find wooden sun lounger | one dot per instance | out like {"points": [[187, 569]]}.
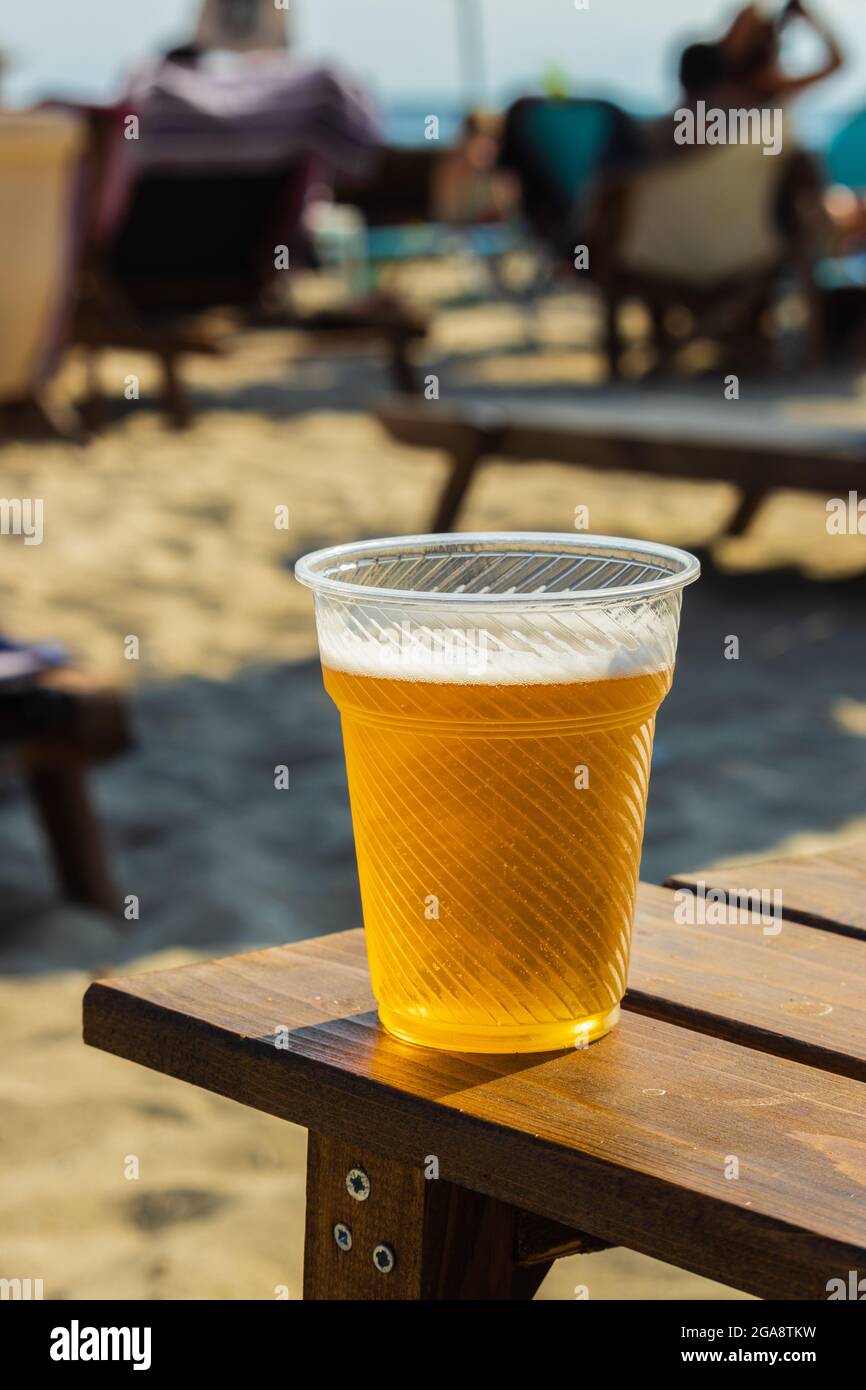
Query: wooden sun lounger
{"points": [[57, 733], [733, 1045], [171, 338], [749, 445], [154, 289]]}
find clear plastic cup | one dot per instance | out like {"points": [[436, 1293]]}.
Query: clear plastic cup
{"points": [[498, 696]]}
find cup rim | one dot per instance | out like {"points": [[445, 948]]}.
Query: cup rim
{"points": [[308, 570]]}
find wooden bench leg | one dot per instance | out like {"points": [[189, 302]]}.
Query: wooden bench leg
{"points": [[74, 833], [178, 406], [410, 1239], [612, 336], [420, 1239], [747, 508], [465, 458], [93, 407], [402, 371]]}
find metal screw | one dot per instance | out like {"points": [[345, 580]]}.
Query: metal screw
{"points": [[358, 1184], [343, 1236], [384, 1259]]}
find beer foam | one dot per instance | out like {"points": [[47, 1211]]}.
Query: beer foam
{"points": [[559, 650]]}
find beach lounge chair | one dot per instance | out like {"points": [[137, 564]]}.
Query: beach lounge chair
{"points": [[559, 149], [39, 154], [56, 729], [717, 1053], [711, 232], [193, 260], [181, 247]]}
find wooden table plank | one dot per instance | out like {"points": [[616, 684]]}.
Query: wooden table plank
{"points": [[799, 993], [821, 890], [628, 1140], [761, 447]]}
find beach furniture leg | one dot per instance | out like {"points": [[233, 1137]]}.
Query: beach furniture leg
{"points": [[377, 1229], [402, 370], [93, 405], [612, 335], [177, 402], [663, 340], [466, 453], [751, 500], [73, 831]]}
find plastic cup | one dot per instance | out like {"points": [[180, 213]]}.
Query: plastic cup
{"points": [[498, 696]]}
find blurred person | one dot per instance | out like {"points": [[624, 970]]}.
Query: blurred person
{"points": [[750, 55], [751, 70], [743, 69], [710, 222], [243, 26], [468, 187]]}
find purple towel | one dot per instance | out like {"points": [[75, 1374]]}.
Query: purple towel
{"points": [[265, 112]]}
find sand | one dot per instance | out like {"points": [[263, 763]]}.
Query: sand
{"points": [[171, 539]]}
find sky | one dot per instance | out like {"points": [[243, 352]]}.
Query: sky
{"points": [[408, 49]]}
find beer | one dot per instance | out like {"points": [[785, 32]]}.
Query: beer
{"points": [[498, 697], [498, 828]]}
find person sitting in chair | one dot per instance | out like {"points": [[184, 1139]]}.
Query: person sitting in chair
{"points": [[743, 72]]}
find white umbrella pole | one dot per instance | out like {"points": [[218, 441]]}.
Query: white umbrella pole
{"points": [[470, 37]]}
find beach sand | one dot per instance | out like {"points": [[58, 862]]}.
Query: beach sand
{"points": [[171, 539]]}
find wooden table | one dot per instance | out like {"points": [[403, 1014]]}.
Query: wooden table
{"points": [[720, 1127]]}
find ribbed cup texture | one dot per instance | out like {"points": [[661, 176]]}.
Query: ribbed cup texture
{"points": [[498, 832]]}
